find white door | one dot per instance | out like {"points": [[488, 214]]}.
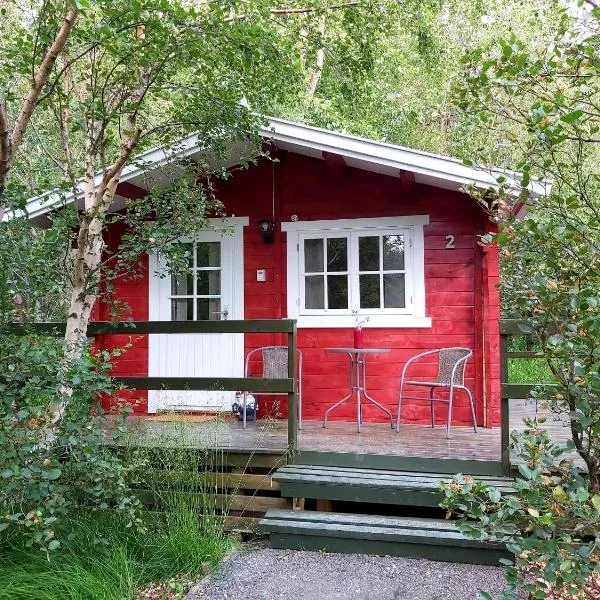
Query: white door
{"points": [[213, 291]]}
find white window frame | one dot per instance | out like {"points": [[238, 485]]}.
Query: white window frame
{"points": [[413, 315]]}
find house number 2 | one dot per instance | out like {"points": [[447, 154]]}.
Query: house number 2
{"points": [[450, 242]]}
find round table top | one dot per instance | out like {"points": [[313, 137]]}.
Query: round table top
{"points": [[357, 350]]}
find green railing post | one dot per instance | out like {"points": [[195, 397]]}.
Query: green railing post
{"points": [[292, 395], [504, 406]]}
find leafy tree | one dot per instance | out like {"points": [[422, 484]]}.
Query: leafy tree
{"points": [[397, 87], [547, 104], [549, 520], [552, 95], [134, 74]]}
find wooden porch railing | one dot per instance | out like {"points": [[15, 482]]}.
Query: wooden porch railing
{"points": [[510, 328], [249, 384]]}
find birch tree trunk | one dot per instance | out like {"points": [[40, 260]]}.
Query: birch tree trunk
{"points": [[90, 243], [315, 76]]}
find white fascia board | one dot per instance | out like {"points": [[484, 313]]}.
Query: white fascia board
{"points": [[396, 157], [152, 159]]}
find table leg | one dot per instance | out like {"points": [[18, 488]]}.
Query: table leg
{"points": [[345, 398], [370, 398], [358, 388]]}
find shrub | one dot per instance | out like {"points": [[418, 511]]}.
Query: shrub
{"points": [[46, 469], [549, 520]]}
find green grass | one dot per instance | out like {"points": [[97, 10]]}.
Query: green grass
{"points": [[529, 370], [101, 559], [105, 561]]}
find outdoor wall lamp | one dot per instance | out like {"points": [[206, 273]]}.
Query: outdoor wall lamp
{"points": [[267, 227]]}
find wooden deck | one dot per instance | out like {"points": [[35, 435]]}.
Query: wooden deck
{"points": [[270, 436]]}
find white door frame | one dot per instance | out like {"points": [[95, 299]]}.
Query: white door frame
{"points": [[232, 227]]}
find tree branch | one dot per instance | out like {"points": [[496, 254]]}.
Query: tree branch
{"points": [[41, 78], [4, 153], [295, 11], [315, 76]]}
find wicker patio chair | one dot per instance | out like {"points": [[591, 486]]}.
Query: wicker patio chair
{"points": [[451, 375], [275, 366]]}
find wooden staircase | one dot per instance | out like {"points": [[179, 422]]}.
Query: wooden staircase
{"points": [[432, 538]]}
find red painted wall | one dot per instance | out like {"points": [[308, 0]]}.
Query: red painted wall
{"points": [[133, 293], [461, 284]]}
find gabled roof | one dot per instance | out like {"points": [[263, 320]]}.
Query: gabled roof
{"points": [[427, 168]]}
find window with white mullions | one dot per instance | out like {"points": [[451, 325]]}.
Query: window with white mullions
{"points": [[196, 295], [381, 271], [341, 269]]}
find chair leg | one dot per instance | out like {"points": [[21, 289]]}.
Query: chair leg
{"points": [[299, 407], [399, 410], [472, 407], [431, 402], [449, 425]]}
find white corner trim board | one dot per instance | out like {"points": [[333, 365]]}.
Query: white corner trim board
{"points": [[411, 315]]}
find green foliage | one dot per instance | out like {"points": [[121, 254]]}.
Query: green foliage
{"points": [[545, 102], [105, 560], [549, 520], [527, 370], [402, 94], [33, 269], [47, 469]]}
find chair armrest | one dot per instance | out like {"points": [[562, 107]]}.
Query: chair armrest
{"points": [[412, 360]]}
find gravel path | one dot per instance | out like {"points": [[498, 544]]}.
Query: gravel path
{"points": [[267, 574]]}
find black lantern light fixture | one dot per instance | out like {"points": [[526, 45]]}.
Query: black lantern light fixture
{"points": [[267, 227]]}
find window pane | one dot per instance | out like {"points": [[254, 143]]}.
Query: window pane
{"points": [[337, 291], [209, 283], [393, 291], [209, 309], [182, 285], [208, 254], [368, 253], [393, 252], [314, 291], [313, 256], [337, 254], [369, 291], [182, 310]]}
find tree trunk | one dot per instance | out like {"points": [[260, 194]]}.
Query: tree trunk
{"points": [[315, 76], [4, 154], [88, 257]]}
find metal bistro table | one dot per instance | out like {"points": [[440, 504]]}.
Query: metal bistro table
{"points": [[358, 381]]}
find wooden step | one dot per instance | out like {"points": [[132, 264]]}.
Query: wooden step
{"points": [[403, 488], [366, 534]]}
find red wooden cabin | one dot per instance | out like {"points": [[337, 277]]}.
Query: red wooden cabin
{"points": [[359, 229]]}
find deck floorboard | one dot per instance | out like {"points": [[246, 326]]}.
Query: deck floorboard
{"points": [[270, 436]]}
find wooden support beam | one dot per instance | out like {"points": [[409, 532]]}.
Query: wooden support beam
{"points": [[336, 163], [131, 191], [407, 181], [324, 505], [298, 503]]}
